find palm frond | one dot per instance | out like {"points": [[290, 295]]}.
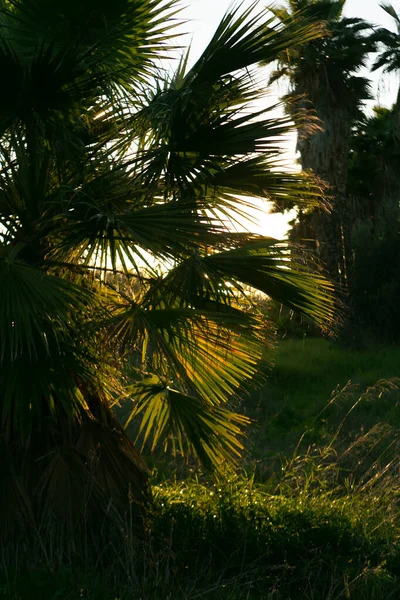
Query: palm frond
{"points": [[169, 416], [245, 38], [390, 10], [37, 310], [335, 56], [262, 178], [389, 57], [95, 232], [108, 166], [199, 145], [50, 391], [209, 350], [273, 267], [265, 266], [121, 39]]}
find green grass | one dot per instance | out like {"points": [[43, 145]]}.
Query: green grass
{"points": [[60, 584], [314, 538], [322, 523], [299, 388]]}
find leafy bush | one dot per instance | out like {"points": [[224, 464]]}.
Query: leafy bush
{"points": [[319, 530], [375, 286]]}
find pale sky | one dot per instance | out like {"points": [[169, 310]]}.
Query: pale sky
{"points": [[204, 16]]}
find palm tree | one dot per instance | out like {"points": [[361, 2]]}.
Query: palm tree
{"points": [[374, 188], [389, 57], [122, 277], [373, 169], [389, 60], [325, 83]]}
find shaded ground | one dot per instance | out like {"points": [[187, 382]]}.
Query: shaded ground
{"points": [[322, 523]]}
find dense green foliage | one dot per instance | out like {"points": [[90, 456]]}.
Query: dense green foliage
{"points": [[323, 523], [312, 532], [357, 156], [374, 190], [120, 185], [126, 290]]}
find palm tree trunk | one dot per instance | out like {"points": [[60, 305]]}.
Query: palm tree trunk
{"points": [[390, 204], [326, 154]]}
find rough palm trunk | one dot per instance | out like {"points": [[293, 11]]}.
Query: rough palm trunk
{"points": [[390, 206], [326, 154], [324, 79]]}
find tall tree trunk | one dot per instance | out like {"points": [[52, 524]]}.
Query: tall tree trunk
{"points": [[390, 203], [326, 154]]}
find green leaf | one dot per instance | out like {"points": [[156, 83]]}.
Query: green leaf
{"points": [[108, 166], [273, 267], [211, 351], [36, 310], [269, 267], [245, 38], [171, 417]]}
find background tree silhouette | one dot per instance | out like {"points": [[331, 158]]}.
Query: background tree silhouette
{"points": [[326, 85]]}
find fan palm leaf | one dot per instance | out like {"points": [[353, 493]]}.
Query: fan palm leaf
{"points": [[119, 189]]}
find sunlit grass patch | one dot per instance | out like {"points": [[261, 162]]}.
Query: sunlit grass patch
{"points": [[311, 533], [304, 376]]}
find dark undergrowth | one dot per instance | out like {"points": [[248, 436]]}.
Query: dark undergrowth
{"points": [[323, 528], [321, 521]]}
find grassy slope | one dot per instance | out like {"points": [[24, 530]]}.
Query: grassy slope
{"points": [[300, 386], [325, 527], [235, 541]]}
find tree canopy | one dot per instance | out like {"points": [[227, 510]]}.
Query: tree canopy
{"points": [[122, 276]]}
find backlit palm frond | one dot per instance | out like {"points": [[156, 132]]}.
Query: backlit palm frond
{"points": [[266, 266], [49, 316], [389, 57], [115, 227], [117, 189], [208, 352], [206, 150], [121, 39], [187, 423], [336, 56], [211, 351], [391, 11], [192, 123], [245, 38], [263, 264], [322, 10], [262, 178], [60, 61]]}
